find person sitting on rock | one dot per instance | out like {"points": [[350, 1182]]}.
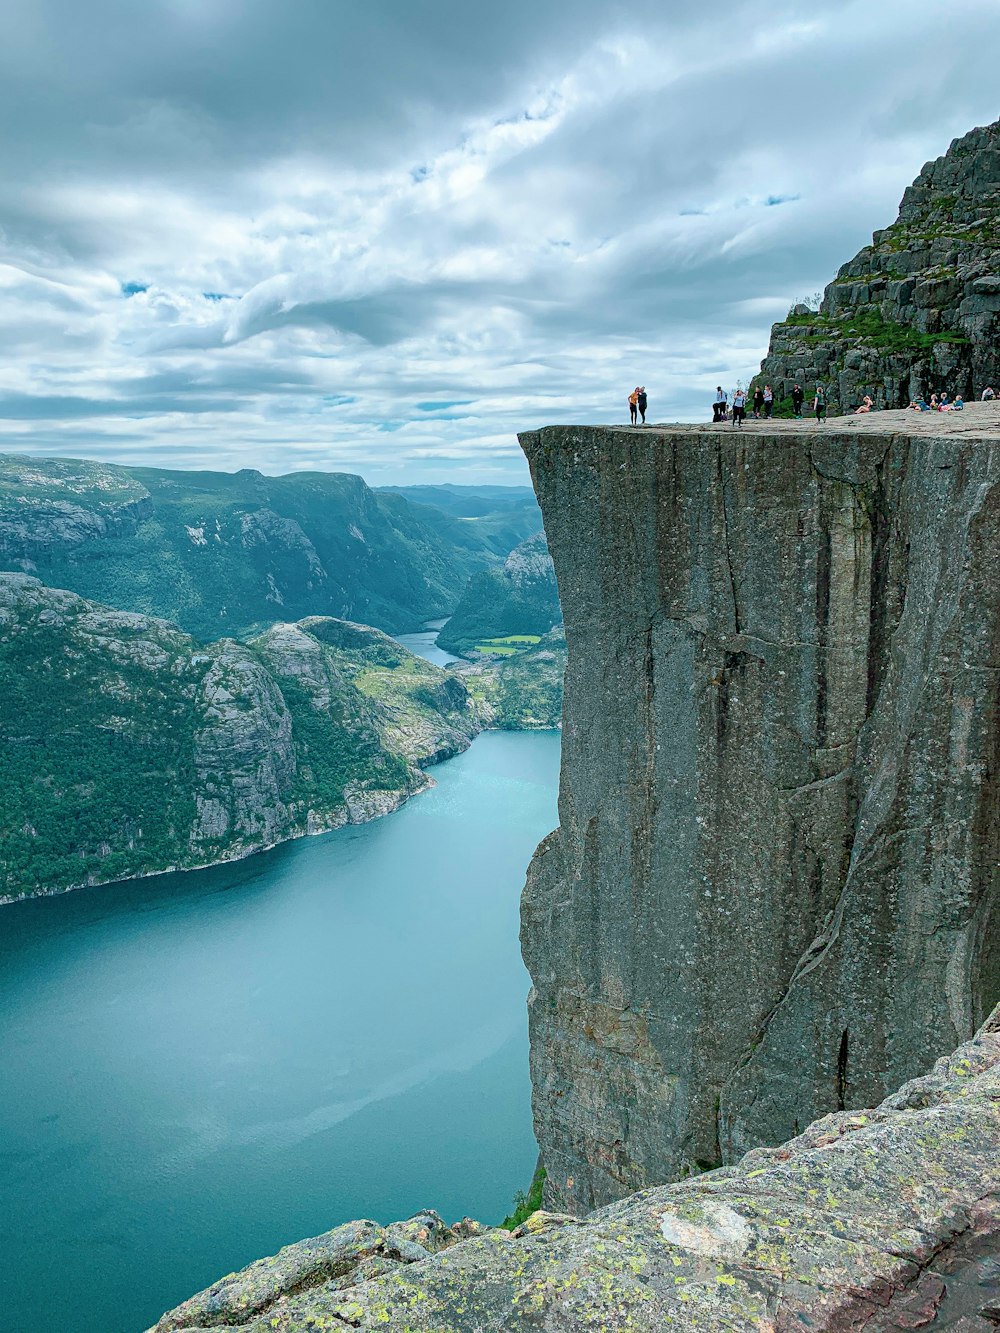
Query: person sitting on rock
{"points": [[798, 397], [640, 402], [633, 400], [944, 403], [935, 403], [987, 395], [866, 405], [919, 405], [959, 404]]}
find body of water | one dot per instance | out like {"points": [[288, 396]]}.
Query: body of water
{"points": [[424, 644], [199, 1068]]}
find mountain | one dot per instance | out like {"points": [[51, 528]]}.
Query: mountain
{"points": [[918, 310], [519, 598], [226, 553], [127, 747], [500, 516]]}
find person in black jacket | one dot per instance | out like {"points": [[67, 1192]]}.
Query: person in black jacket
{"points": [[641, 404], [798, 398]]}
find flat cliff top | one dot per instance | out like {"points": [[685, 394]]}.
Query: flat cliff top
{"points": [[978, 421]]}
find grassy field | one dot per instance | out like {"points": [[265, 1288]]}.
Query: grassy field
{"points": [[508, 644]]}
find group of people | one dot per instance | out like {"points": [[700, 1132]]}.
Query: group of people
{"points": [[637, 403], [763, 403], [939, 403]]}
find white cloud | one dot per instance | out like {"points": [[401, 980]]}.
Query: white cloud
{"points": [[254, 236]]}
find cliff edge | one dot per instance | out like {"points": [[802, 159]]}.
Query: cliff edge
{"points": [[774, 888]]}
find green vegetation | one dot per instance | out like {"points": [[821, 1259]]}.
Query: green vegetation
{"points": [[127, 747], [523, 688], [505, 606], [228, 553], [507, 645], [867, 327], [526, 1204]]}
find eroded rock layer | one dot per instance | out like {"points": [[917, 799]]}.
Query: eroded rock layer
{"points": [[881, 1221], [774, 887]]}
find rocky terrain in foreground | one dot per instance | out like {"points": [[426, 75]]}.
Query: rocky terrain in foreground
{"points": [[879, 1220], [918, 310], [127, 747]]}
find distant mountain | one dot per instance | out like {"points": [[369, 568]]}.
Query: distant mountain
{"points": [[501, 516], [520, 597], [227, 553], [127, 747]]}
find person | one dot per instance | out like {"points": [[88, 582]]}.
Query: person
{"points": [[758, 402], [945, 403], [919, 405], [959, 404], [721, 404], [640, 402], [739, 407], [935, 404], [633, 400], [988, 395], [798, 397], [768, 400], [819, 402], [866, 405]]}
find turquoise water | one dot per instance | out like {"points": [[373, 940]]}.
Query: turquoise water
{"points": [[424, 643], [200, 1068]]}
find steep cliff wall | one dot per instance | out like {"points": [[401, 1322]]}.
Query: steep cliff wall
{"points": [[775, 885], [918, 310]]}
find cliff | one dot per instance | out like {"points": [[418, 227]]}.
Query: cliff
{"points": [[882, 1221], [918, 310], [127, 747], [775, 884]]}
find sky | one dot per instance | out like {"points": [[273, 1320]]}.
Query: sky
{"points": [[381, 236]]}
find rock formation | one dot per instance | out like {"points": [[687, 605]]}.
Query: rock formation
{"points": [[126, 747], [775, 883], [884, 1220], [918, 310]]}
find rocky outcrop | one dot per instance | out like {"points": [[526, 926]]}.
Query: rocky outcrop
{"points": [[884, 1220], [775, 882], [127, 748], [918, 310]]}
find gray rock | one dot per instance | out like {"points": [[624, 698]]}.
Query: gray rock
{"points": [[933, 272], [774, 886]]}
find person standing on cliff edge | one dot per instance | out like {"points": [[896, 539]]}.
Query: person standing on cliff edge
{"points": [[633, 400], [739, 407], [819, 402], [641, 402], [797, 399]]}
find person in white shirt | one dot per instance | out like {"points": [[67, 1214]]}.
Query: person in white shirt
{"points": [[988, 396], [721, 404], [739, 407]]}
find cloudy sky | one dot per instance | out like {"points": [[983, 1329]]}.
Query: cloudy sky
{"points": [[383, 235]]}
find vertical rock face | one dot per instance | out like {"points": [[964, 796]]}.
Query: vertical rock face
{"points": [[774, 889], [918, 310]]}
